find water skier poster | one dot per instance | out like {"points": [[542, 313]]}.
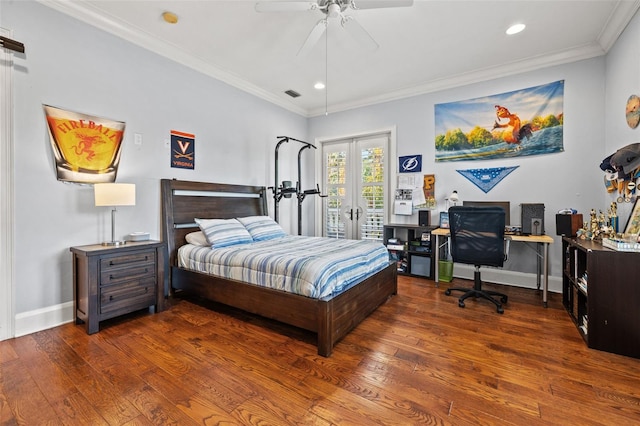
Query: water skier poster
{"points": [[513, 124]]}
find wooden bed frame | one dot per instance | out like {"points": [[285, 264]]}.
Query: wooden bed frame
{"points": [[331, 317]]}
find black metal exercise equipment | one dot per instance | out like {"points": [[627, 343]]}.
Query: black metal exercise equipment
{"points": [[285, 190]]}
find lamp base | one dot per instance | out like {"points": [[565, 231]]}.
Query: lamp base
{"points": [[114, 243]]}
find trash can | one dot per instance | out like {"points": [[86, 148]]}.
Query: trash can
{"points": [[445, 270]]}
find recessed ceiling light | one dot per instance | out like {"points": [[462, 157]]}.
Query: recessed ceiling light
{"points": [[170, 17], [515, 29], [319, 85]]}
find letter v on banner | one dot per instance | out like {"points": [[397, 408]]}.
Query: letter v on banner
{"points": [[182, 150]]}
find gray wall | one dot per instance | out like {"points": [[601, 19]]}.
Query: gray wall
{"points": [[567, 179], [622, 80], [74, 66]]}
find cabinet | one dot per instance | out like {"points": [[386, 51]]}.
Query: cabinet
{"points": [[600, 292], [112, 281], [410, 247]]}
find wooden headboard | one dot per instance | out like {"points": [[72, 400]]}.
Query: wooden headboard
{"points": [[183, 201]]}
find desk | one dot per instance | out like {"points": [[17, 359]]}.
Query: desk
{"points": [[542, 254]]}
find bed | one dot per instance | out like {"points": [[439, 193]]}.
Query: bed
{"points": [[331, 317]]}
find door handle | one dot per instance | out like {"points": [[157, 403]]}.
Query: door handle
{"points": [[358, 213], [347, 212]]}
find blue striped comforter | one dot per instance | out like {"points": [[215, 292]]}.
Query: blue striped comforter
{"points": [[310, 266]]}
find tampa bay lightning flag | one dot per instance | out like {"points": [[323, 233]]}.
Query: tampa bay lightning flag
{"points": [[410, 164]]}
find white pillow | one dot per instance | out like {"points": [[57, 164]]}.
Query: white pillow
{"points": [[197, 238], [224, 232], [262, 228]]}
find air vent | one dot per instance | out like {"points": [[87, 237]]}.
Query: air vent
{"points": [[292, 93]]}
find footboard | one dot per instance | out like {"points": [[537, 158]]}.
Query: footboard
{"points": [[342, 313]]}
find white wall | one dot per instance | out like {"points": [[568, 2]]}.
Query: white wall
{"points": [[74, 66], [568, 179]]}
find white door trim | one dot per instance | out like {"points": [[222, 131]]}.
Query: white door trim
{"points": [[7, 323]]}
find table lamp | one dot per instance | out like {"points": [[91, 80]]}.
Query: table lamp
{"points": [[453, 198], [113, 195]]}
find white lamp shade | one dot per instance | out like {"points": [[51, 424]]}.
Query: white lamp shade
{"points": [[454, 197], [115, 194]]}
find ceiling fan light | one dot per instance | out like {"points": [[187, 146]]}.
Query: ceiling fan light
{"points": [[319, 85], [333, 10], [515, 29]]}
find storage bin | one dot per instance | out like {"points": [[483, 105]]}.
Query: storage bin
{"points": [[445, 270]]}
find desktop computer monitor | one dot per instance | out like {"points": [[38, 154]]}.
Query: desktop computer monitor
{"points": [[506, 206]]}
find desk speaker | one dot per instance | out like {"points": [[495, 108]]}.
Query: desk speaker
{"points": [[424, 217], [532, 219], [568, 224]]}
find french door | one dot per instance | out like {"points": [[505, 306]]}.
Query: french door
{"points": [[355, 175]]}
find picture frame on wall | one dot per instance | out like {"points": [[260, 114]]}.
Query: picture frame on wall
{"points": [[633, 224], [444, 220]]}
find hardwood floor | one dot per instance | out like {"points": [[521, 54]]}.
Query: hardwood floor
{"points": [[419, 359]]}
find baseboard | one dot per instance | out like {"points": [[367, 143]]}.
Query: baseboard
{"points": [[42, 319], [53, 316], [502, 276]]}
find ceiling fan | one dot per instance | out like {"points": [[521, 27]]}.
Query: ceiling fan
{"points": [[333, 9]]}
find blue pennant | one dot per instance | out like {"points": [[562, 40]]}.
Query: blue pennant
{"points": [[486, 179]]}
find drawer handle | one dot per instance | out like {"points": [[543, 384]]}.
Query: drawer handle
{"points": [[110, 298], [111, 277], [146, 289]]}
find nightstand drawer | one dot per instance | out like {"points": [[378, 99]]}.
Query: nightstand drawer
{"points": [[128, 260], [128, 295], [133, 272]]}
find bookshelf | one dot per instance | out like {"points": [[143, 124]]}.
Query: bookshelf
{"points": [[600, 291], [410, 247]]}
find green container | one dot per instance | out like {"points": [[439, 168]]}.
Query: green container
{"points": [[445, 270]]}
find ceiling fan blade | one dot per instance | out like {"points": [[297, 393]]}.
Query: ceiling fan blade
{"points": [[313, 37], [358, 32], [376, 4], [285, 6]]}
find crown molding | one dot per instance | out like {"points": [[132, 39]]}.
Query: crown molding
{"points": [[618, 21], [477, 76], [88, 14], [85, 12]]}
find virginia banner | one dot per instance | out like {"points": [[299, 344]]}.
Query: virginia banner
{"points": [[512, 124], [183, 150]]}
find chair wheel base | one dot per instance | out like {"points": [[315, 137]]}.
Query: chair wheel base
{"points": [[477, 293]]}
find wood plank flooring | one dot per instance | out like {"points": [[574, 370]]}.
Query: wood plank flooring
{"points": [[419, 359]]}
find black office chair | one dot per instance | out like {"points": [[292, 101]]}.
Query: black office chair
{"points": [[477, 238]]}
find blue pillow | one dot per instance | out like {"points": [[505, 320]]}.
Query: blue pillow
{"points": [[224, 232], [262, 228]]}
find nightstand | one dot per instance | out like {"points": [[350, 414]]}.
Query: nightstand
{"points": [[111, 281]]}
